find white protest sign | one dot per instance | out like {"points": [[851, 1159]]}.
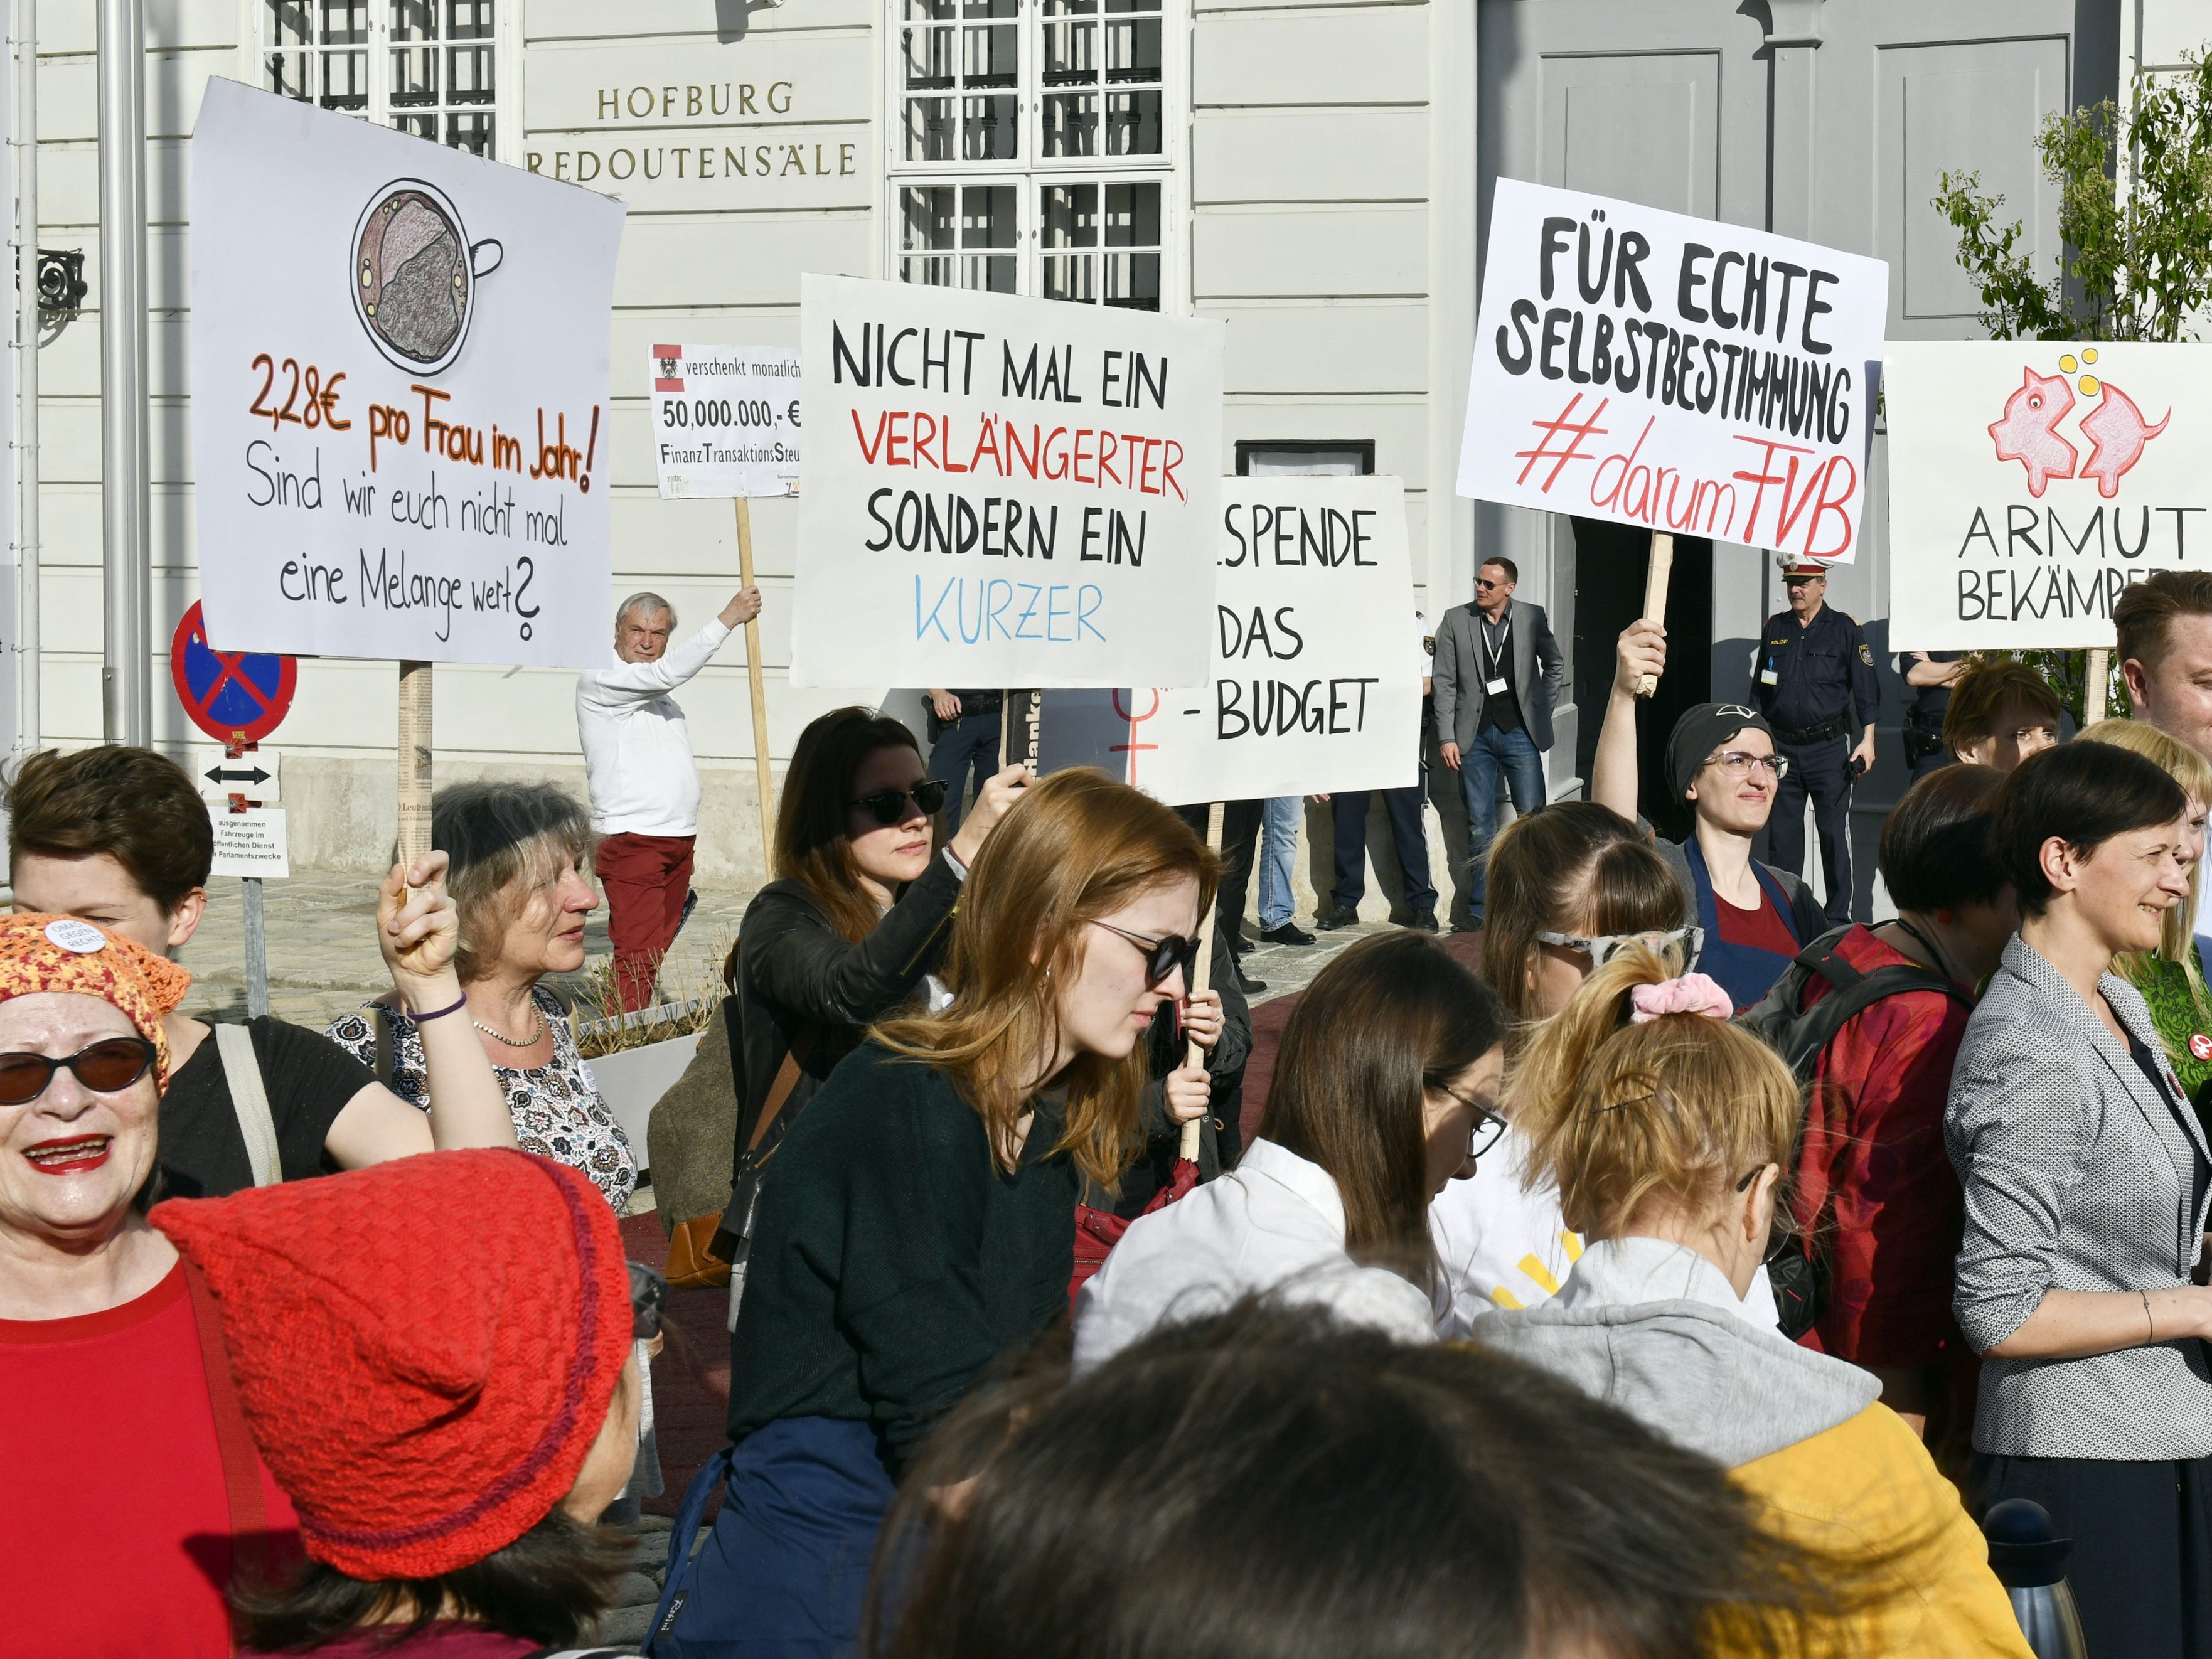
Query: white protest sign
{"points": [[251, 843], [2031, 481], [725, 419], [1316, 684], [399, 393], [1003, 491], [1675, 372]]}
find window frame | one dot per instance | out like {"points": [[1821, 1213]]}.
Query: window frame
{"points": [[1363, 447]]}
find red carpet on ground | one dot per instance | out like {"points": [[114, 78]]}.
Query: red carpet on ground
{"points": [[691, 1378]]}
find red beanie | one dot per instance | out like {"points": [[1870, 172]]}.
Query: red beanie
{"points": [[425, 1349]]}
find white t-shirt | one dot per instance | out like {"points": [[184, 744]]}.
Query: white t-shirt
{"points": [[637, 750]]}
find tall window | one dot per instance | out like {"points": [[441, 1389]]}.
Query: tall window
{"points": [[426, 67], [1030, 147]]}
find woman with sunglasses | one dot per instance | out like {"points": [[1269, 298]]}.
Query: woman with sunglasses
{"points": [[111, 1360], [1665, 1129], [918, 1225], [1384, 1090], [856, 919]]}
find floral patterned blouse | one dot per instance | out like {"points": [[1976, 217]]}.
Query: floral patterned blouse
{"points": [[557, 1110]]}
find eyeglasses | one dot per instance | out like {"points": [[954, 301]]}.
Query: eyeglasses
{"points": [[1482, 1134], [889, 806], [648, 1300], [1162, 956], [1604, 947], [1739, 764], [105, 1066]]}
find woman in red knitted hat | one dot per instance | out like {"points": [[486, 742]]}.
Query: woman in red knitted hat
{"points": [[449, 1431], [133, 1488]]}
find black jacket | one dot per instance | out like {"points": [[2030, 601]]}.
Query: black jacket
{"points": [[796, 977]]}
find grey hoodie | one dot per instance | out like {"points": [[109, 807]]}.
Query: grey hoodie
{"points": [[1655, 1330]]}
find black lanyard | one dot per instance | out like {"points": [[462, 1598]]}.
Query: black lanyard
{"points": [[1494, 654]]}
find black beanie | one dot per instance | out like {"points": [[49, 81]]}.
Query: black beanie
{"points": [[1702, 730]]}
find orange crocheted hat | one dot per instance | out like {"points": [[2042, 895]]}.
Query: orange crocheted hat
{"points": [[425, 1349], [41, 952]]}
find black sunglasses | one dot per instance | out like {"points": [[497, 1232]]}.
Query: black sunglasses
{"points": [[649, 1298], [1485, 582], [889, 806], [1162, 956], [104, 1067]]}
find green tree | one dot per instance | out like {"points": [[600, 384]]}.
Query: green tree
{"points": [[2134, 226]]}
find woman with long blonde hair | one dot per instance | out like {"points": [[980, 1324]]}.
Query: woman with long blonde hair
{"points": [[919, 1223], [1666, 1129]]}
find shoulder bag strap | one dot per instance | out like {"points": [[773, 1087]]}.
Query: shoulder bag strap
{"points": [[241, 1070], [241, 1463], [786, 1079]]}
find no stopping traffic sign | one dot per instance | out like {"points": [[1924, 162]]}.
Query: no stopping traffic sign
{"points": [[234, 697]]}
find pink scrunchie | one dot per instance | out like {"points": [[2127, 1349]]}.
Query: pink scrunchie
{"points": [[1693, 993]]}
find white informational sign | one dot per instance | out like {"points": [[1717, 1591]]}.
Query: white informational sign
{"points": [[1004, 492], [1316, 658], [1675, 373], [251, 843], [2031, 481], [725, 419], [220, 776], [399, 425]]}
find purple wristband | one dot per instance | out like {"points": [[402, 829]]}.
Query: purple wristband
{"points": [[440, 1013]]}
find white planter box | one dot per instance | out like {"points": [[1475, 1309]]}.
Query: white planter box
{"points": [[633, 1080]]}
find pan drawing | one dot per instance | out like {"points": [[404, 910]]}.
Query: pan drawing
{"points": [[415, 275]]}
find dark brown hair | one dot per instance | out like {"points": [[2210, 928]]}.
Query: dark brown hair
{"points": [[1076, 847], [139, 808], [1512, 570], [1572, 865], [1268, 1481], [813, 839], [2084, 793], [2143, 614], [1981, 696], [1936, 841], [1394, 1016]]}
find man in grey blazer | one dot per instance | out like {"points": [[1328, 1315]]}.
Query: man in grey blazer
{"points": [[1497, 670]]}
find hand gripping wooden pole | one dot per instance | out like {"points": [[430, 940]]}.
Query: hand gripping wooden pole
{"points": [[1200, 972], [761, 776], [1655, 594], [415, 749]]}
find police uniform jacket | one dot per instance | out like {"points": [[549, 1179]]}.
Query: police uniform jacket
{"points": [[1809, 678]]}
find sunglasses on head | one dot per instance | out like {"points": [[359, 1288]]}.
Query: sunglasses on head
{"points": [[105, 1066], [1604, 947], [889, 806], [1162, 956]]}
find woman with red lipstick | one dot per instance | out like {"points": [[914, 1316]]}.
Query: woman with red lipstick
{"points": [[919, 1224], [134, 1490]]}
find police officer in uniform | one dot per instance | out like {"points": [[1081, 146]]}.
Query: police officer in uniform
{"points": [[1816, 685]]}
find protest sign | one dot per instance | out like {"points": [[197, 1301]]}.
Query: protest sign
{"points": [[1689, 376], [1003, 491], [725, 419], [1318, 665], [2031, 481], [399, 393]]}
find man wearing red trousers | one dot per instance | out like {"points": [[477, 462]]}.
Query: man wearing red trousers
{"points": [[643, 780]]}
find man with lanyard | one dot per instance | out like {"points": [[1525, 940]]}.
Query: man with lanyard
{"points": [[1722, 761], [1816, 685]]}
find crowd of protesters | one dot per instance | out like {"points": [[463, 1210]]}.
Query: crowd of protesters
{"points": [[1680, 1267]]}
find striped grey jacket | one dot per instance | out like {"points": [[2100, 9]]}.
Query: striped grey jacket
{"points": [[2077, 1177]]}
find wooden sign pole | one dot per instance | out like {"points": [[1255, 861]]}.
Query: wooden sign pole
{"points": [[761, 776], [1200, 972], [415, 749], [2093, 705], [1654, 594]]}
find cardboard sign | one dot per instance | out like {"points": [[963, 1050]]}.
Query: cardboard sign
{"points": [[1316, 667], [1003, 491], [399, 393], [251, 843], [1675, 373], [2031, 481], [725, 419]]}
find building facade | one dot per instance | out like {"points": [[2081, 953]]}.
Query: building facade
{"points": [[1316, 173]]}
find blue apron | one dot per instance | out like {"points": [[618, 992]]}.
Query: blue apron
{"points": [[785, 1573], [1744, 971]]}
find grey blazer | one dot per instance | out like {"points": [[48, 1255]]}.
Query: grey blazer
{"points": [[2077, 1177], [1457, 672]]}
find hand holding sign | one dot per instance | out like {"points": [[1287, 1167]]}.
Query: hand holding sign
{"points": [[418, 926]]}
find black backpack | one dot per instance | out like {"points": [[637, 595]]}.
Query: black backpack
{"points": [[1797, 1267]]}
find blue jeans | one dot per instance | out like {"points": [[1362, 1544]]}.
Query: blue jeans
{"points": [[1278, 851], [1492, 751]]}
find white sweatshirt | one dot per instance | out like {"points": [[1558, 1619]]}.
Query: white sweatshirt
{"points": [[637, 750]]}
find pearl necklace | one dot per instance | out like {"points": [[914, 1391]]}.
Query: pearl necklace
{"points": [[538, 1031]]}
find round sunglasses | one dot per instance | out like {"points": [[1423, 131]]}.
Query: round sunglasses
{"points": [[1162, 956], [889, 806], [105, 1066]]}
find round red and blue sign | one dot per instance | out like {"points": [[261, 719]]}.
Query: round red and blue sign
{"points": [[234, 697]]}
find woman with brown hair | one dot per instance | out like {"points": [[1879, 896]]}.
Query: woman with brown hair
{"points": [[921, 1222], [1384, 1091]]}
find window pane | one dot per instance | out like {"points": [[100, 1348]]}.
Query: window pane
{"points": [[1070, 215], [1069, 276], [990, 129], [345, 80], [288, 74], [929, 129], [413, 19], [468, 74], [1133, 124], [943, 218], [1071, 123], [342, 23], [1132, 281], [468, 19], [470, 130], [414, 77], [289, 24], [1133, 216], [1133, 52], [419, 126]]}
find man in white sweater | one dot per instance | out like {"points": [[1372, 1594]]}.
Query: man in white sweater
{"points": [[644, 782]]}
